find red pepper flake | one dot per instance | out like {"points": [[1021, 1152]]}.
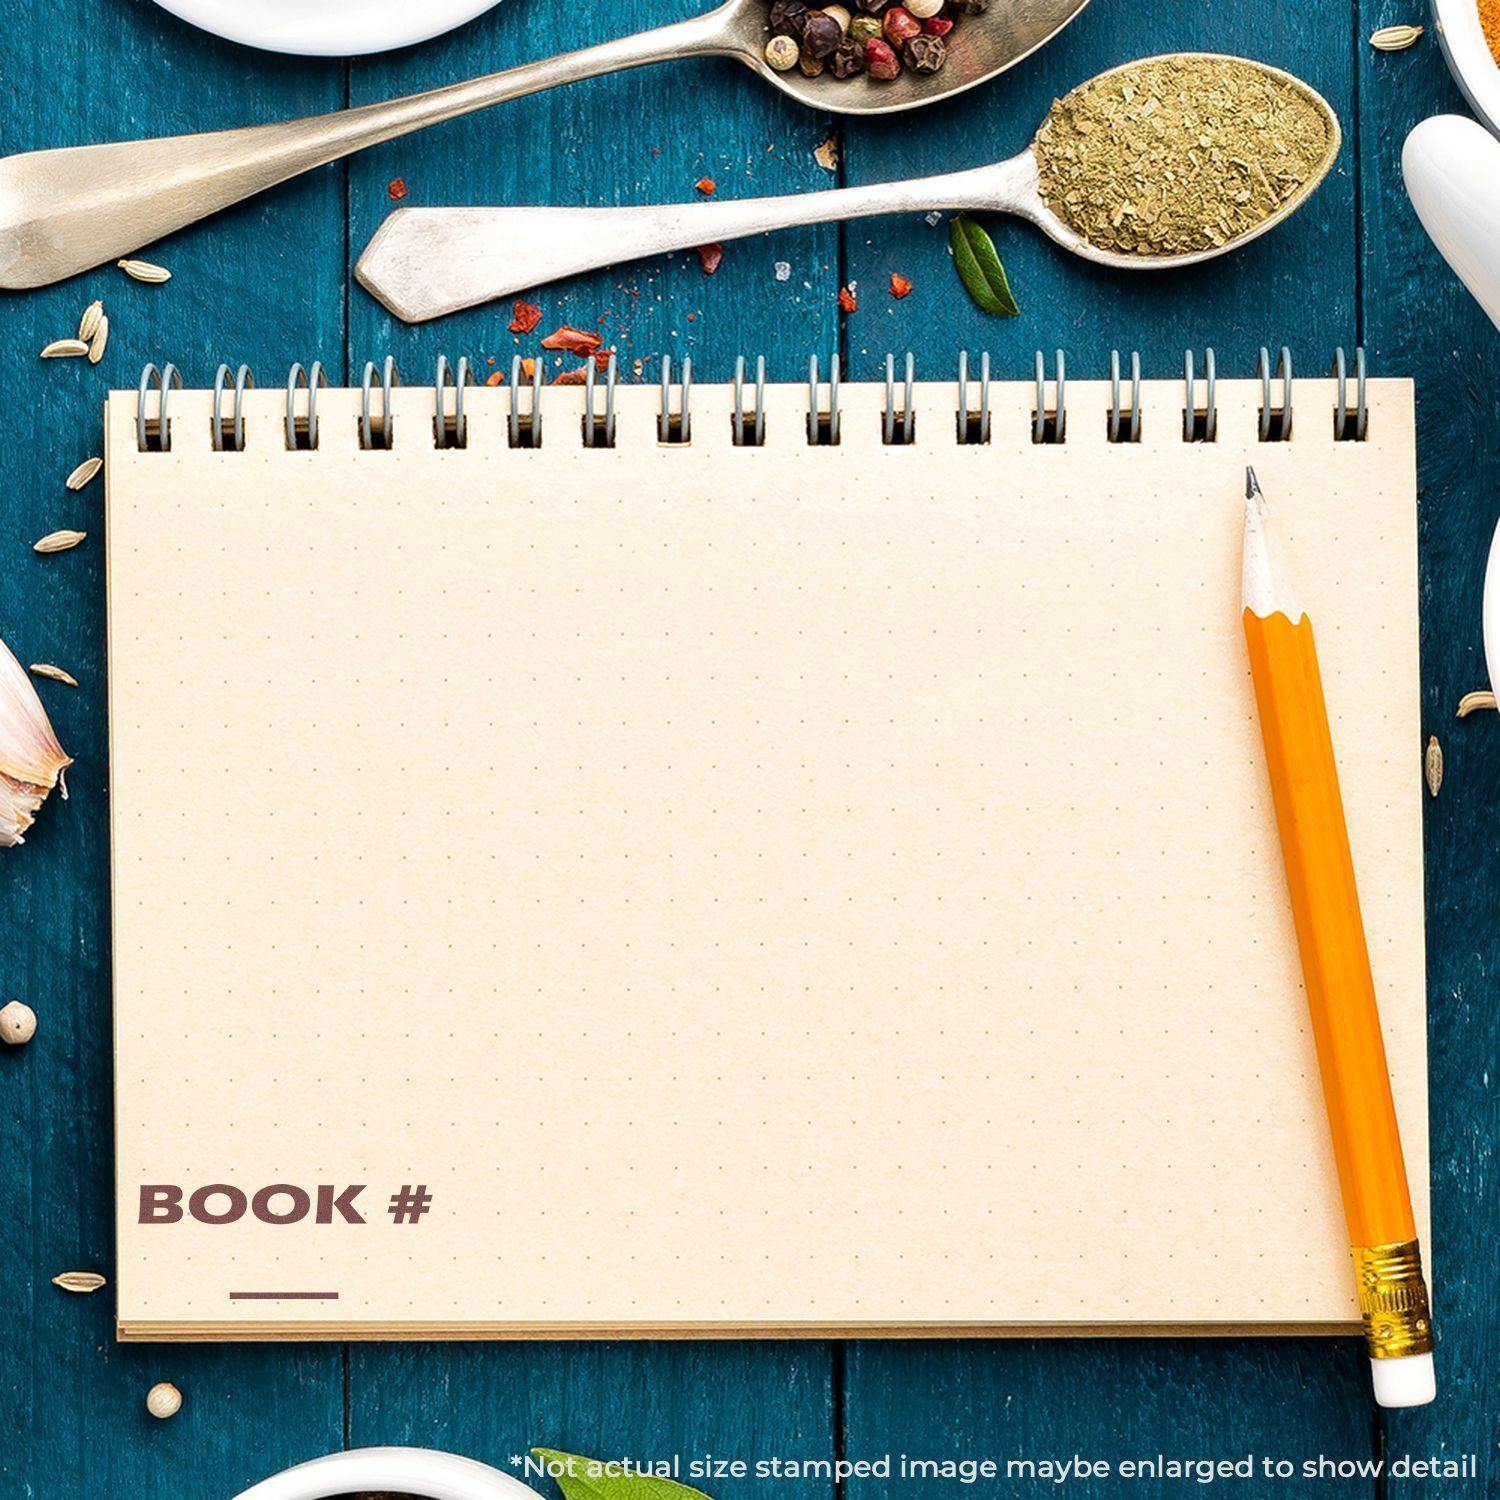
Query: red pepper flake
{"points": [[711, 257], [938, 25], [848, 302], [497, 378], [900, 286], [602, 358], [574, 340], [572, 377], [528, 368], [707, 186], [396, 189], [524, 316]]}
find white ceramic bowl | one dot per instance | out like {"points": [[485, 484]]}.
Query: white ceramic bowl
{"points": [[1462, 40], [327, 28]]}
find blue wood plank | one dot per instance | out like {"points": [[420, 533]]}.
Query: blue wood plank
{"points": [[71, 1400], [633, 138], [1419, 320]]}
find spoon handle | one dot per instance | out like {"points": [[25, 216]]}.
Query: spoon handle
{"points": [[62, 211], [424, 262]]}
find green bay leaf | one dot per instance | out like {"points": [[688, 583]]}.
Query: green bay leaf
{"points": [[590, 1479], [979, 268]]}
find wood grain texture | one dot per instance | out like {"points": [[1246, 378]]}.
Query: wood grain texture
{"points": [[267, 283]]}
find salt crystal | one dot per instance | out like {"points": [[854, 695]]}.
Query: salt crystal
{"points": [[783, 270]]}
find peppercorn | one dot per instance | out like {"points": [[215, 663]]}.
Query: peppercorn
{"points": [[968, 7], [872, 7], [788, 17], [938, 26], [782, 52], [880, 59], [839, 14], [862, 28], [17, 1024], [923, 10], [925, 54], [812, 67], [900, 24], [821, 35], [848, 59]]}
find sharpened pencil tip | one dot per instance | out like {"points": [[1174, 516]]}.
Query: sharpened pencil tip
{"points": [[1252, 484]]}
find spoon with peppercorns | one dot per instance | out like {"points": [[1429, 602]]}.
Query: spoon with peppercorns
{"points": [[63, 211], [1154, 165]]}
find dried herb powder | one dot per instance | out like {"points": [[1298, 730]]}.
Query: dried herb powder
{"points": [[1178, 154]]}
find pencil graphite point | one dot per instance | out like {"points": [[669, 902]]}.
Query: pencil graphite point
{"points": [[1252, 484]]}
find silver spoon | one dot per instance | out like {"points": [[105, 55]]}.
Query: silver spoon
{"points": [[63, 211], [424, 262]]}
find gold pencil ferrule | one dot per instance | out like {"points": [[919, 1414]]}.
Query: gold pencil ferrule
{"points": [[1393, 1299]]}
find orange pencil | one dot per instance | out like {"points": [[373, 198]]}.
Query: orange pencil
{"points": [[1336, 969]]}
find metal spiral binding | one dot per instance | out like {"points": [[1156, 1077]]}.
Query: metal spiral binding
{"points": [[304, 437], [1350, 425], [388, 379], [1124, 423], [973, 427], [908, 408], [823, 428], [1050, 425], [243, 381], [166, 380], [1199, 424], [597, 434], [675, 427], [450, 432], [750, 433], [1275, 422], [525, 431]]}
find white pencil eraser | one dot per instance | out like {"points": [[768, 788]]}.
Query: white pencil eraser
{"points": [[1410, 1380]]}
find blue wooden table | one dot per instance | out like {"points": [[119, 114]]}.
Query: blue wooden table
{"points": [[269, 283]]}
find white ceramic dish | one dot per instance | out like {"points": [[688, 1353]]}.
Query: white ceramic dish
{"points": [[1469, 59], [327, 28]]}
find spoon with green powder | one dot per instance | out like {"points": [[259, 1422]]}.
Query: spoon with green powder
{"points": [[1155, 164]]}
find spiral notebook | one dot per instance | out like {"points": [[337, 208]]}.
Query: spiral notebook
{"points": [[731, 862]]}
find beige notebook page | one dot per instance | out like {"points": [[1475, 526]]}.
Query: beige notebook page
{"points": [[776, 890]]}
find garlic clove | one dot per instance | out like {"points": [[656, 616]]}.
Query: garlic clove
{"points": [[32, 761]]}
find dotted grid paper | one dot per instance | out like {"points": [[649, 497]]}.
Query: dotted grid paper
{"points": [[773, 889]]}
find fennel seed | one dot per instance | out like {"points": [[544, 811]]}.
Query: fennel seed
{"points": [[84, 473], [46, 669], [143, 270], [1394, 38], [1433, 764], [1473, 702], [90, 320], [99, 339], [59, 541], [65, 349], [81, 1282]]}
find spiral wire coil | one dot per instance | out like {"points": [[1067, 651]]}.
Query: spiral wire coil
{"points": [[973, 419]]}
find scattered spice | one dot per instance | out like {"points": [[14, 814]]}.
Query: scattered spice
{"points": [[79, 1282], [848, 301], [65, 349], [495, 378], [1473, 702], [1178, 154], [1489, 22], [827, 154], [17, 1023], [1395, 38], [396, 189], [84, 473], [164, 1400], [978, 265], [707, 186], [572, 377], [782, 270], [59, 541], [1433, 765], [711, 257], [900, 286], [90, 320], [524, 316], [46, 669], [573, 340], [98, 339], [143, 270]]}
